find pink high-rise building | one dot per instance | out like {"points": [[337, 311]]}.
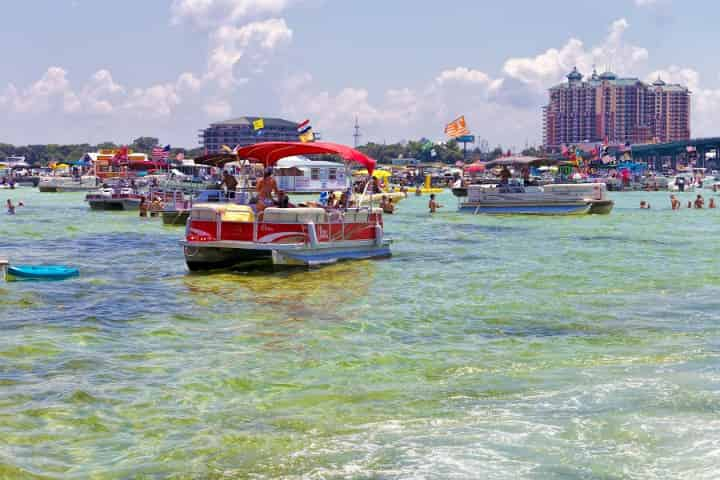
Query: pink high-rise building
{"points": [[619, 110]]}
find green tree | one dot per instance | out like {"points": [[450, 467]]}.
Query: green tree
{"points": [[144, 144]]}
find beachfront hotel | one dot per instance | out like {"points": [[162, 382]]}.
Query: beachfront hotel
{"points": [[240, 131], [619, 110]]}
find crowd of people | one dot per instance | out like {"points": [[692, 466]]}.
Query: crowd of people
{"points": [[676, 204]]}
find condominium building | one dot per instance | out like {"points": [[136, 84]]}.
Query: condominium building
{"points": [[619, 110], [240, 131]]}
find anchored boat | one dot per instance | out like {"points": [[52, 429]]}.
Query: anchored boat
{"points": [[225, 234], [518, 197], [57, 183], [114, 199], [553, 199]]}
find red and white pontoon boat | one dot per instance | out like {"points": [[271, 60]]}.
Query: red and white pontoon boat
{"points": [[225, 234]]}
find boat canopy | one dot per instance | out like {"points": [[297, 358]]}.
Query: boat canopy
{"points": [[269, 153], [521, 160]]}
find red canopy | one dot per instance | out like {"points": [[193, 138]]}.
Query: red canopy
{"points": [[270, 152], [475, 167]]}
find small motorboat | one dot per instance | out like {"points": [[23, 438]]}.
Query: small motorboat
{"points": [[118, 198], [41, 272]]}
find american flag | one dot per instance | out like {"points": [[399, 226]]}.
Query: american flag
{"points": [[160, 154], [457, 128]]}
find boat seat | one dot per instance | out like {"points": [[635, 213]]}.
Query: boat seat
{"points": [[359, 215], [229, 212], [294, 215]]}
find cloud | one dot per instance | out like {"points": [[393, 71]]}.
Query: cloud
{"points": [[551, 66], [230, 43], [645, 3], [206, 14]]}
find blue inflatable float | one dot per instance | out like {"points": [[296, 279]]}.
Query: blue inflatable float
{"points": [[41, 272]]}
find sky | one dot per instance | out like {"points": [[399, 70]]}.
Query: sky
{"points": [[78, 71]]}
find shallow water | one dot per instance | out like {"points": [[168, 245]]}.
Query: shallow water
{"points": [[486, 347]]}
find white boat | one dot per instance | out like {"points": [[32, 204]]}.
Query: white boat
{"points": [[517, 199], [122, 198], [683, 182], [57, 183]]}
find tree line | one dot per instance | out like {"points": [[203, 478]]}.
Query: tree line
{"points": [[45, 154], [423, 150]]}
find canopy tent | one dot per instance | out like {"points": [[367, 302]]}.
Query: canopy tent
{"points": [[60, 166], [269, 153], [21, 164]]}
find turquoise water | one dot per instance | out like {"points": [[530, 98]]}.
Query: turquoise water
{"points": [[486, 347]]}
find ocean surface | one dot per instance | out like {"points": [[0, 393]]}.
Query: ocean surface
{"points": [[486, 347]]}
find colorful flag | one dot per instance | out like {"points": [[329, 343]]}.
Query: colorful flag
{"points": [[258, 124], [457, 128], [305, 132], [304, 127], [160, 154]]}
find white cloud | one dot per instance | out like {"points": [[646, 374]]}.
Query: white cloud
{"points": [[551, 66], [645, 3], [217, 109], [230, 43], [210, 13]]}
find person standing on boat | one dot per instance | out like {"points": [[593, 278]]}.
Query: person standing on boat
{"points": [[505, 175], [265, 188], [229, 182], [526, 175]]}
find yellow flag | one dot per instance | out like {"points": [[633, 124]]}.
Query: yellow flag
{"points": [[307, 137], [258, 124], [227, 149]]}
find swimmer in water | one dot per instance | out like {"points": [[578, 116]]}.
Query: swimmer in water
{"points": [[433, 205], [674, 202], [10, 207]]}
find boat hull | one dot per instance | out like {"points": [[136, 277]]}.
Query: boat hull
{"points": [[115, 204], [527, 209], [63, 189], [175, 217], [601, 207], [200, 257]]}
